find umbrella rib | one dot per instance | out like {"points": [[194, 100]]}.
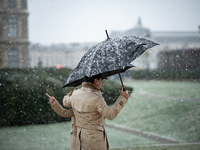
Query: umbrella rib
{"points": [[151, 49]]}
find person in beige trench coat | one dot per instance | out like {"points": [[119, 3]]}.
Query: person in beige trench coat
{"points": [[90, 110], [65, 113]]}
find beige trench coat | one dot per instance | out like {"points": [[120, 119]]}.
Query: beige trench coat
{"points": [[90, 110], [66, 113]]}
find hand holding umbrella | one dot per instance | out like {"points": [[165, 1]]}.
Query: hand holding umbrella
{"points": [[124, 93]]}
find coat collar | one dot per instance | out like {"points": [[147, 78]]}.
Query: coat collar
{"points": [[91, 86]]}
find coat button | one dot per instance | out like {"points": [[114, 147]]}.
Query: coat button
{"points": [[121, 103]]}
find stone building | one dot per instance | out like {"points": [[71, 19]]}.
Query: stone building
{"points": [[168, 40], [46, 56], [14, 34], [67, 55]]}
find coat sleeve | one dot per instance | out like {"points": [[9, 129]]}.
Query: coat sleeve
{"points": [[60, 110], [67, 100], [110, 112]]}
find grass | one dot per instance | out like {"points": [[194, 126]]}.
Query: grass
{"points": [[32, 137], [172, 118], [55, 136], [167, 88]]}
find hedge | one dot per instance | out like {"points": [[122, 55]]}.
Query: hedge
{"points": [[23, 100], [166, 74]]}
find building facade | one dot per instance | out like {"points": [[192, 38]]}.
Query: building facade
{"points": [[67, 55], [167, 40], [14, 34]]}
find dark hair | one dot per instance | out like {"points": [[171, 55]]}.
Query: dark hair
{"points": [[91, 79]]}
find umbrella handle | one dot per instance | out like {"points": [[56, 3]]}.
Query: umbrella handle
{"points": [[124, 89], [122, 82]]}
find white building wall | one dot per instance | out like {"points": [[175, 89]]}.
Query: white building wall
{"points": [[51, 57]]}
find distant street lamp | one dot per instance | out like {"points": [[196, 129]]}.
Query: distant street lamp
{"points": [[147, 60], [39, 62], [199, 28], [199, 58], [147, 66]]}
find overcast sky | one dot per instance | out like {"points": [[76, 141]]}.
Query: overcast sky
{"points": [[66, 21]]}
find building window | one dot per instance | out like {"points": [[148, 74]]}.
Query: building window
{"points": [[1, 28], [14, 58], [24, 4], [12, 3], [13, 27]]}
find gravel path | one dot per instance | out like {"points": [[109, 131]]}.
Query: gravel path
{"points": [[197, 146], [169, 97], [141, 134]]}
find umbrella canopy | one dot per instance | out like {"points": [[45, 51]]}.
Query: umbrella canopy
{"points": [[125, 48], [108, 58], [76, 77]]}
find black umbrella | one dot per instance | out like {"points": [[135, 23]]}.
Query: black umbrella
{"points": [[77, 76], [109, 57]]}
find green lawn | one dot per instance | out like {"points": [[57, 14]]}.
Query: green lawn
{"points": [[172, 118], [56, 136], [36, 137], [168, 88]]}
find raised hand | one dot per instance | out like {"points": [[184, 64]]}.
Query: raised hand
{"points": [[51, 98]]}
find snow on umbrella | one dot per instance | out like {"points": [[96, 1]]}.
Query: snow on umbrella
{"points": [[109, 57]]}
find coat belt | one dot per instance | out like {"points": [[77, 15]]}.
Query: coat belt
{"points": [[91, 127]]}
